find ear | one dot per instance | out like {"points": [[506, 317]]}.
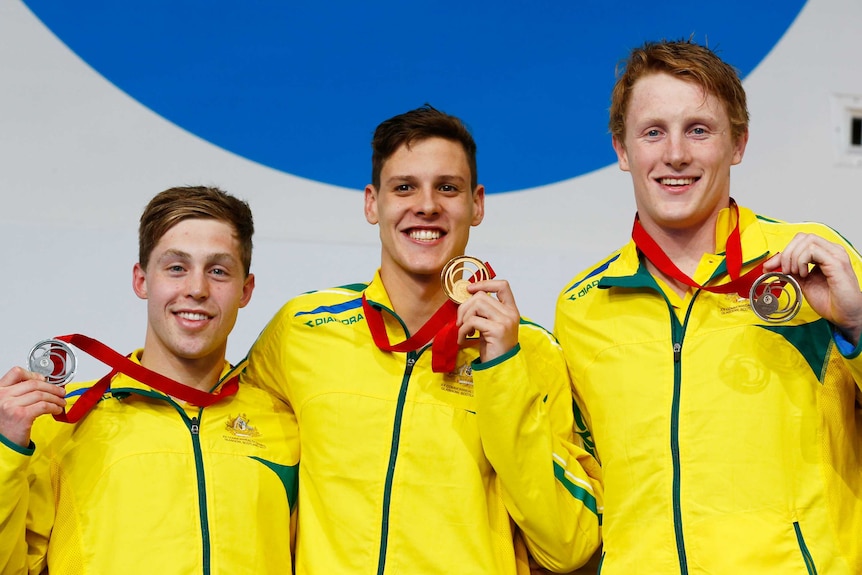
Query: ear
{"points": [[478, 205], [247, 288], [622, 155], [371, 204], [739, 147], [139, 281]]}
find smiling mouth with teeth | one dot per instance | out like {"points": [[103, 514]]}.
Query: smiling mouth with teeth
{"points": [[425, 235], [676, 181], [192, 316]]}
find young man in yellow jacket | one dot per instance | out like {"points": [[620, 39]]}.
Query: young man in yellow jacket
{"points": [[150, 480], [723, 401], [426, 449]]}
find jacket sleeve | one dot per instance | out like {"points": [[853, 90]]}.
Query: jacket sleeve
{"points": [[26, 506], [14, 461], [853, 354], [551, 486]]}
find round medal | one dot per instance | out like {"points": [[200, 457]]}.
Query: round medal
{"points": [[458, 273], [775, 297], [53, 359]]}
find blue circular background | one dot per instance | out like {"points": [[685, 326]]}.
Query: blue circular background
{"points": [[300, 87]]}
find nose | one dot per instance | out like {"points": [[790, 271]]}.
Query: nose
{"points": [[677, 153], [197, 286], [427, 201]]}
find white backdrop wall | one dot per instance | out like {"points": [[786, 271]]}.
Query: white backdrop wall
{"points": [[79, 159]]}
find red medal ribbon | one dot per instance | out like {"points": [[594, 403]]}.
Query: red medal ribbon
{"points": [[740, 285], [122, 364], [440, 327]]}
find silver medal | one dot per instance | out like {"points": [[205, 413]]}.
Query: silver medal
{"points": [[775, 297], [53, 359]]}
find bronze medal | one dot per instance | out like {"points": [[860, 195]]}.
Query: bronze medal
{"points": [[775, 297]]}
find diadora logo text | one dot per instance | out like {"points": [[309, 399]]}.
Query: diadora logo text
{"points": [[318, 321], [584, 289]]}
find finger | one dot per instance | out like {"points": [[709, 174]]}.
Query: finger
{"points": [[821, 253], [33, 410], [44, 398], [772, 263], [32, 386], [500, 288], [485, 307], [18, 374]]}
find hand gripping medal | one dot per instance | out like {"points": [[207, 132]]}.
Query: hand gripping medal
{"points": [[775, 297], [456, 275], [53, 359], [459, 272]]}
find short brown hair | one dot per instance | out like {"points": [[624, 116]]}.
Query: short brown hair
{"points": [[687, 61], [174, 205], [417, 125]]}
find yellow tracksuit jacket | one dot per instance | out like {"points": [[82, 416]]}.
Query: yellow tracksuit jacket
{"points": [[729, 446], [145, 485], [413, 472]]}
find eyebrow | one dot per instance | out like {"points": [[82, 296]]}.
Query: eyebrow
{"points": [[411, 178], [175, 254], [220, 257]]}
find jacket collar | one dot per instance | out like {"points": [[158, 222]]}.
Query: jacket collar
{"points": [[629, 270], [121, 381]]}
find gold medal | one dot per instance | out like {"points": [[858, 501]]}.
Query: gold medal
{"points": [[775, 297], [457, 275]]}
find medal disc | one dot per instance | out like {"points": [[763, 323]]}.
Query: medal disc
{"points": [[775, 297], [53, 359], [458, 273]]}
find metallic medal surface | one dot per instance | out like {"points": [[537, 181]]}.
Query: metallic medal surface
{"points": [[775, 297], [53, 359], [457, 274]]}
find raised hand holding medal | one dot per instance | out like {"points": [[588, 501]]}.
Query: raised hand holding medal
{"points": [[495, 319], [768, 294], [54, 360], [827, 279]]}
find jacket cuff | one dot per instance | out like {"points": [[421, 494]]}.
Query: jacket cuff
{"points": [[847, 349], [15, 447], [479, 366]]}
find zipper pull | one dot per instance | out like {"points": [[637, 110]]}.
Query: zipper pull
{"points": [[195, 427], [677, 352]]}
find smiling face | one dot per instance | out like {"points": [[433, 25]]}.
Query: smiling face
{"points": [[194, 285], [678, 147], [424, 209]]}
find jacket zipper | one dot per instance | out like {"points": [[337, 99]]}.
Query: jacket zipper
{"points": [[393, 455], [677, 336], [674, 450], [194, 429], [803, 548]]}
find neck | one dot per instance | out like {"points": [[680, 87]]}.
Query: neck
{"points": [[685, 248], [414, 298], [202, 374]]}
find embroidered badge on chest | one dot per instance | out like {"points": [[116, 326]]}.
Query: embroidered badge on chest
{"points": [[459, 381], [240, 427]]}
